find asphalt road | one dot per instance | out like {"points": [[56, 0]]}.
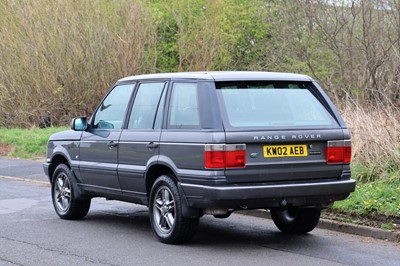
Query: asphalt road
{"points": [[27, 169], [116, 233]]}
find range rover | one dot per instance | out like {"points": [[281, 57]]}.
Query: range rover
{"points": [[206, 143]]}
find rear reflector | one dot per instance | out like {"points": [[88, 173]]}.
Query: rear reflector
{"points": [[338, 152], [225, 156]]}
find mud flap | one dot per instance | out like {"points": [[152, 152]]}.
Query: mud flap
{"points": [[187, 211]]}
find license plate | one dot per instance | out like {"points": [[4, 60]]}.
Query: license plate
{"points": [[285, 151]]}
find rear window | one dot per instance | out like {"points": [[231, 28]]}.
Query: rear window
{"points": [[271, 104]]}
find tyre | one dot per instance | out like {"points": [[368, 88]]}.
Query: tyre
{"points": [[296, 220], [63, 195], [165, 212]]}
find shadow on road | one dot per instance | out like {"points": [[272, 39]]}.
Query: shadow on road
{"points": [[231, 233]]}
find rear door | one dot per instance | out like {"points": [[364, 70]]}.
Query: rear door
{"points": [[286, 128], [139, 143]]}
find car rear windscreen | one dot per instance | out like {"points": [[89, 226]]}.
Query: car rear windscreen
{"points": [[271, 104]]}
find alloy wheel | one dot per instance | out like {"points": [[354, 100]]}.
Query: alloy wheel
{"points": [[62, 192], [164, 210]]}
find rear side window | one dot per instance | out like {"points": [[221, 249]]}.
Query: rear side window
{"points": [[184, 108], [271, 104], [145, 106]]}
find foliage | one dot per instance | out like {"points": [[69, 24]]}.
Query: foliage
{"points": [[208, 35], [57, 58], [380, 196], [375, 135], [388, 226]]}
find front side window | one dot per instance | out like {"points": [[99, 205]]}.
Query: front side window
{"points": [[145, 106], [184, 108], [271, 104], [111, 112]]}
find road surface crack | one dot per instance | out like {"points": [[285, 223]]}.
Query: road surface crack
{"points": [[11, 262], [62, 252]]}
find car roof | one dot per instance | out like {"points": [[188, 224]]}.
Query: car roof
{"points": [[221, 76]]}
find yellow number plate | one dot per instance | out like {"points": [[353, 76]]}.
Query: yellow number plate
{"points": [[285, 151]]}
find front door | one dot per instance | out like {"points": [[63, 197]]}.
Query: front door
{"points": [[99, 145]]}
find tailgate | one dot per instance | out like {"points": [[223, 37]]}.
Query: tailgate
{"points": [[286, 127], [277, 156]]}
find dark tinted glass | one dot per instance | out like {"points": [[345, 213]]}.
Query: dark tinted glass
{"points": [[265, 104], [184, 109], [145, 105]]}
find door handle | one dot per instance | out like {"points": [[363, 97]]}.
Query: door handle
{"points": [[112, 145], [152, 145]]}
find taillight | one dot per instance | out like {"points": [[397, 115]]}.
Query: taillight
{"points": [[338, 151], [225, 156], [214, 156]]}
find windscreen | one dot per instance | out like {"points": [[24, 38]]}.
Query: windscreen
{"points": [[271, 104]]}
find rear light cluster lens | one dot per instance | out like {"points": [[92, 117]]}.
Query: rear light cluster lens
{"points": [[338, 152], [225, 156]]}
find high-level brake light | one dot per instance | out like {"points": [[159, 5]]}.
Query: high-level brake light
{"points": [[338, 152], [225, 156]]}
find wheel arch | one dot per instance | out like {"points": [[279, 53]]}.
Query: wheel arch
{"points": [[156, 170], [56, 161]]}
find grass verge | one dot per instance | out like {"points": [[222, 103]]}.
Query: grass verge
{"points": [[26, 143], [382, 196], [375, 202]]}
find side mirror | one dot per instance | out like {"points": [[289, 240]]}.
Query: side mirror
{"points": [[79, 124]]}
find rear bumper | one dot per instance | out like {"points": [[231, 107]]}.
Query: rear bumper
{"points": [[266, 196]]}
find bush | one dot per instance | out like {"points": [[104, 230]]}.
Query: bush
{"points": [[375, 133], [59, 57]]}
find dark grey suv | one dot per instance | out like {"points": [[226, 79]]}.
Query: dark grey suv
{"points": [[192, 144]]}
